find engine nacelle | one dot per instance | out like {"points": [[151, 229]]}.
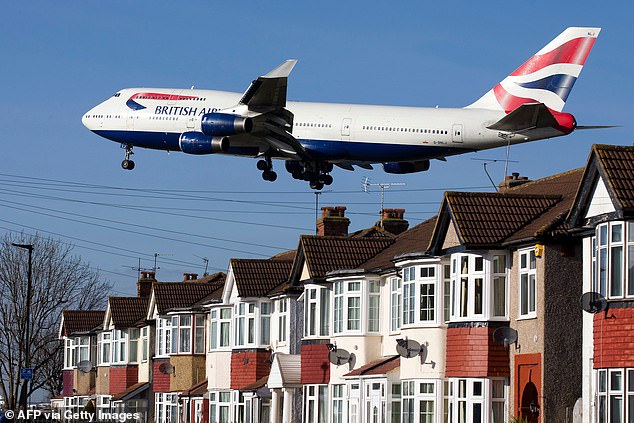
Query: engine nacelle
{"points": [[406, 167], [199, 143], [221, 124]]}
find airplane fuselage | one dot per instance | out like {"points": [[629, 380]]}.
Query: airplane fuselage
{"points": [[155, 118]]}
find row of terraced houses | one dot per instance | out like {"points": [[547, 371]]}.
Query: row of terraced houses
{"points": [[471, 316]]}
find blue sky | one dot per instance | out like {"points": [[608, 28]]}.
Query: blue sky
{"points": [[59, 59]]}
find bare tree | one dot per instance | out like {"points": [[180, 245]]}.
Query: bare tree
{"points": [[60, 281]]}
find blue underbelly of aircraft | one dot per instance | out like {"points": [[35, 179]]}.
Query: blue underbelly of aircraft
{"points": [[354, 151]]}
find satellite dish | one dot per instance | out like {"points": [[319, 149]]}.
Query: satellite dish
{"points": [[408, 348], [166, 368], [505, 336], [338, 356], [84, 366], [593, 302]]}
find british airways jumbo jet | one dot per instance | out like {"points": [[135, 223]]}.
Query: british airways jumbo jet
{"points": [[312, 137]]}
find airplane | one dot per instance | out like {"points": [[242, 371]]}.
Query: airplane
{"points": [[313, 137]]}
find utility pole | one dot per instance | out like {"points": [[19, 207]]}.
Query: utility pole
{"points": [[27, 345]]}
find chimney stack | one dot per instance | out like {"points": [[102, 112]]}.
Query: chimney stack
{"points": [[512, 181], [144, 285], [333, 222], [189, 276], [392, 221]]}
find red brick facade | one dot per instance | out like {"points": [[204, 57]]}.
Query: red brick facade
{"points": [[471, 352], [160, 381], [247, 366], [315, 364], [68, 383], [121, 378], [613, 340]]}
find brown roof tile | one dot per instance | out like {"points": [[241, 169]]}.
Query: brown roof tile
{"points": [[325, 254], [126, 312], [484, 219], [415, 239], [378, 367], [82, 321], [617, 164], [256, 277], [174, 295]]}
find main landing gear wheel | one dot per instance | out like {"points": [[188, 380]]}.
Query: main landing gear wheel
{"points": [[266, 167], [127, 164]]}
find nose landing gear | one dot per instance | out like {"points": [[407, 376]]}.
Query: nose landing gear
{"points": [[127, 164]]}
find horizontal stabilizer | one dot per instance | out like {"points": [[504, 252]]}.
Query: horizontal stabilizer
{"points": [[526, 117], [597, 126]]}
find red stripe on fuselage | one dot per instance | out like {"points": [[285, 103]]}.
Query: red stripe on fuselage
{"points": [[161, 96]]}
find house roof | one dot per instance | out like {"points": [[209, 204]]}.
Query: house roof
{"points": [[126, 312], [323, 254], [255, 385], [378, 367], [412, 240], [484, 220], [175, 295], [131, 392], [256, 277], [196, 390], [615, 166], [81, 321]]}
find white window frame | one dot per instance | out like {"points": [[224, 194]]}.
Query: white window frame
{"points": [[607, 393], [166, 407], [163, 336], [70, 353], [338, 394], [219, 401], [527, 279], [104, 348], [119, 347], [462, 397], [396, 294], [220, 322], [373, 321], [83, 348], [145, 343], [266, 311], [316, 404], [606, 242], [316, 312], [199, 334], [282, 320]]}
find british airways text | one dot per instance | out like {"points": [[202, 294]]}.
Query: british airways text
{"points": [[183, 111]]}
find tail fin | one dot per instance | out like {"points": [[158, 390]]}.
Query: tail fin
{"points": [[547, 77]]}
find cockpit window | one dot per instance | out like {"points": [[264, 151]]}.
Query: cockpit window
{"points": [[117, 95]]}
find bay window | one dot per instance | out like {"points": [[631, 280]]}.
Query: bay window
{"points": [[613, 259], [282, 319], [419, 401], [374, 304], [119, 346], [475, 400], [356, 306], [163, 336], [145, 342], [103, 346], [338, 403], [187, 330], [615, 395], [395, 304], [420, 298], [199, 334], [316, 311], [220, 328], [478, 286], [70, 353], [265, 323], [316, 401], [83, 348]]}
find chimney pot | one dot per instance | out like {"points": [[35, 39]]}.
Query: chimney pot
{"points": [[333, 222], [392, 221]]}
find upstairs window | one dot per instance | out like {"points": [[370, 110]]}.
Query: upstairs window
{"points": [[613, 259], [282, 319], [70, 353], [103, 347], [528, 288], [316, 311], [163, 336], [395, 304], [478, 286], [220, 328]]}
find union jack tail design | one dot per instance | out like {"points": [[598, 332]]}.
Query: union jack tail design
{"points": [[547, 77]]}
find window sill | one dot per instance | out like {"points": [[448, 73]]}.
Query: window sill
{"points": [[527, 317]]}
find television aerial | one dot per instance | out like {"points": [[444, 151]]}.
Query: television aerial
{"points": [[505, 336], [84, 366], [593, 302]]}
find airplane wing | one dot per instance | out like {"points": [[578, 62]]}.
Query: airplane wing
{"points": [[526, 117], [265, 101]]}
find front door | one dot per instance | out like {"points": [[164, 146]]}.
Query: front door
{"points": [[375, 402], [528, 376]]}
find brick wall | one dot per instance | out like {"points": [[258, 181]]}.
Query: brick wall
{"points": [[315, 364], [613, 340], [471, 352], [161, 381], [68, 382], [121, 378], [249, 365]]}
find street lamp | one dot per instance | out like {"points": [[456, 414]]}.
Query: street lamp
{"points": [[27, 360]]}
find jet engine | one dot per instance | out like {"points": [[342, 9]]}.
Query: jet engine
{"points": [[199, 143], [220, 124], [406, 167]]}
